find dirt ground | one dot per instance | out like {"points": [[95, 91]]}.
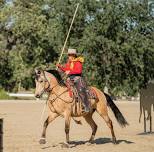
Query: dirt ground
{"points": [[22, 129]]}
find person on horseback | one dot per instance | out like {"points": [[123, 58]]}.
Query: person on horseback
{"points": [[73, 69]]}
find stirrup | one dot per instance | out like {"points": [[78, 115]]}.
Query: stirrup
{"points": [[86, 110]]}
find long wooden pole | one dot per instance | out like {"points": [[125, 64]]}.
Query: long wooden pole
{"points": [[63, 50], [68, 34]]}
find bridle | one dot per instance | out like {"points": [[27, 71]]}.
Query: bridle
{"points": [[51, 90], [45, 89], [48, 89]]}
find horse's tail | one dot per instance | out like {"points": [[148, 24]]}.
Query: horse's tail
{"points": [[118, 115]]}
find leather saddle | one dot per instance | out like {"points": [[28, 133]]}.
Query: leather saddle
{"points": [[73, 92], [91, 93]]}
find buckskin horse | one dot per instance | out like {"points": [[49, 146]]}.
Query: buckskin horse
{"points": [[61, 104]]}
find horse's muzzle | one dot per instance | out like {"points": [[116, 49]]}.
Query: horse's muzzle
{"points": [[37, 96]]}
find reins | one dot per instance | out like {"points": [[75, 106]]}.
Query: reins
{"points": [[58, 97], [51, 90]]}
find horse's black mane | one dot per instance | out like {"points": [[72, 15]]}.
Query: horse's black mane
{"points": [[57, 76]]}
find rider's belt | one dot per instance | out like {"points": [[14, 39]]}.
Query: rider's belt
{"points": [[73, 75]]}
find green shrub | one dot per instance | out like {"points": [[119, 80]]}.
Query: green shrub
{"points": [[4, 95]]}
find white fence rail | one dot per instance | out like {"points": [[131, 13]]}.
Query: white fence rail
{"points": [[31, 95], [21, 95], [25, 95]]}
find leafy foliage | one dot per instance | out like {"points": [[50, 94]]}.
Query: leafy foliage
{"points": [[115, 37]]}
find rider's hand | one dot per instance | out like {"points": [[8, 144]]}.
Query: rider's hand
{"points": [[67, 72], [57, 65]]}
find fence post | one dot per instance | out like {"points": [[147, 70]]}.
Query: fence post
{"points": [[1, 135]]}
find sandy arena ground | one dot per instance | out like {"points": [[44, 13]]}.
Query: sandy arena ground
{"points": [[22, 129]]}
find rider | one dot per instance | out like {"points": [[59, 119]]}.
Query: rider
{"points": [[73, 68]]}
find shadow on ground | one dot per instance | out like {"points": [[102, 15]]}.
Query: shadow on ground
{"points": [[99, 141], [108, 140], [146, 133]]}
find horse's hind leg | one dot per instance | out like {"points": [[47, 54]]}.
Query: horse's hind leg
{"points": [[93, 125], [110, 125], [108, 121], [144, 120], [49, 119], [150, 124]]}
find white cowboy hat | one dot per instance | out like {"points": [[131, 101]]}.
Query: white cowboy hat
{"points": [[72, 51]]}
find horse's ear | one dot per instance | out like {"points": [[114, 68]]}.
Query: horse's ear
{"points": [[35, 71], [38, 71]]}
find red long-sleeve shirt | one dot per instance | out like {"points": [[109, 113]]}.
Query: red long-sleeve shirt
{"points": [[75, 67]]}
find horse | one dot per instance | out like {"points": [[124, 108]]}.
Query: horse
{"points": [[60, 103], [146, 104]]}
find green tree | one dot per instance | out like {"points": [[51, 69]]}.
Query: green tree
{"points": [[116, 38]]}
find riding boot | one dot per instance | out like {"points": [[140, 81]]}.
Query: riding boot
{"points": [[83, 95], [85, 100]]}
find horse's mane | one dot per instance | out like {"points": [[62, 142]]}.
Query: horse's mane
{"points": [[57, 76]]}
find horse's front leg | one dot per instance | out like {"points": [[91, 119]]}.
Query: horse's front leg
{"points": [[67, 128], [49, 119]]}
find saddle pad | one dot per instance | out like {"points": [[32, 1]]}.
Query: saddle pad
{"points": [[92, 93]]}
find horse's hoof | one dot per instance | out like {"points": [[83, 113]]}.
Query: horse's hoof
{"points": [[42, 141], [91, 142], [65, 145], [114, 141]]}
